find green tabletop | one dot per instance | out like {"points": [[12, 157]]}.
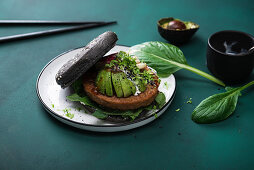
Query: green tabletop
{"points": [[32, 139]]}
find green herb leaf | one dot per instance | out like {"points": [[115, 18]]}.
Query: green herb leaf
{"points": [[189, 101], [156, 116], [166, 59], [78, 87], [99, 115], [219, 106], [85, 99], [160, 99], [135, 114], [149, 108]]}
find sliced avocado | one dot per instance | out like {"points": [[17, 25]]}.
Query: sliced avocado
{"points": [[100, 81], [125, 86], [116, 79], [141, 86], [133, 87], [108, 84]]}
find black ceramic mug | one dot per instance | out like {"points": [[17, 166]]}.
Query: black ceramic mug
{"points": [[228, 56]]}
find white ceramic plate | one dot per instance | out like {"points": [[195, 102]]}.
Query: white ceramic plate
{"points": [[53, 98]]}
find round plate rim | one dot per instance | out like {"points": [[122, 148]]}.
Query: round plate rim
{"points": [[91, 125]]}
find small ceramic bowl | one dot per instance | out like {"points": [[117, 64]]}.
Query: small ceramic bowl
{"points": [[176, 36], [228, 56]]}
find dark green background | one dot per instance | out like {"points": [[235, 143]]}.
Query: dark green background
{"points": [[31, 139]]}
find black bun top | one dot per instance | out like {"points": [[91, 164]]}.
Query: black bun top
{"points": [[85, 59]]}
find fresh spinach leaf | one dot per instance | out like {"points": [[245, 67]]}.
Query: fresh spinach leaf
{"points": [[78, 87], [84, 99], [166, 59], [160, 99], [103, 113], [219, 106], [132, 114], [99, 114]]}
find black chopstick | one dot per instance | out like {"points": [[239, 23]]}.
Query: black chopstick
{"points": [[53, 31], [45, 22]]}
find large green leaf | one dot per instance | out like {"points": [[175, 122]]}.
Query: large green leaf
{"points": [[217, 107], [164, 58]]}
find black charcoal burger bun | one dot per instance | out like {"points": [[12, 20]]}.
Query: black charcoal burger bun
{"points": [[85, 59]]}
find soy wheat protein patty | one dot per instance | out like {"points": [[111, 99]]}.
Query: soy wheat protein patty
{"points": [[132, 102]]}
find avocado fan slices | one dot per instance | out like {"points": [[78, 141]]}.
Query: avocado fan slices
{"points": [[110, 83]]}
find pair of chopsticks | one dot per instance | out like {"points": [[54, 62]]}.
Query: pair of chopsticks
{"points": [[78, 25]]}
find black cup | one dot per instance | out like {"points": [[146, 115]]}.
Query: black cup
{"points": [[228, 56]]}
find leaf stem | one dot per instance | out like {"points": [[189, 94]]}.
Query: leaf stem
{"points": [[247, 85], [203, 74]]}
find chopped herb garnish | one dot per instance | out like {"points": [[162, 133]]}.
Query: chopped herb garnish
{"points": [[177, 110], [68, 114], [126, 63], [65, 110], [166, 85], [53, 105], [189, 101], [156, 116]]}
